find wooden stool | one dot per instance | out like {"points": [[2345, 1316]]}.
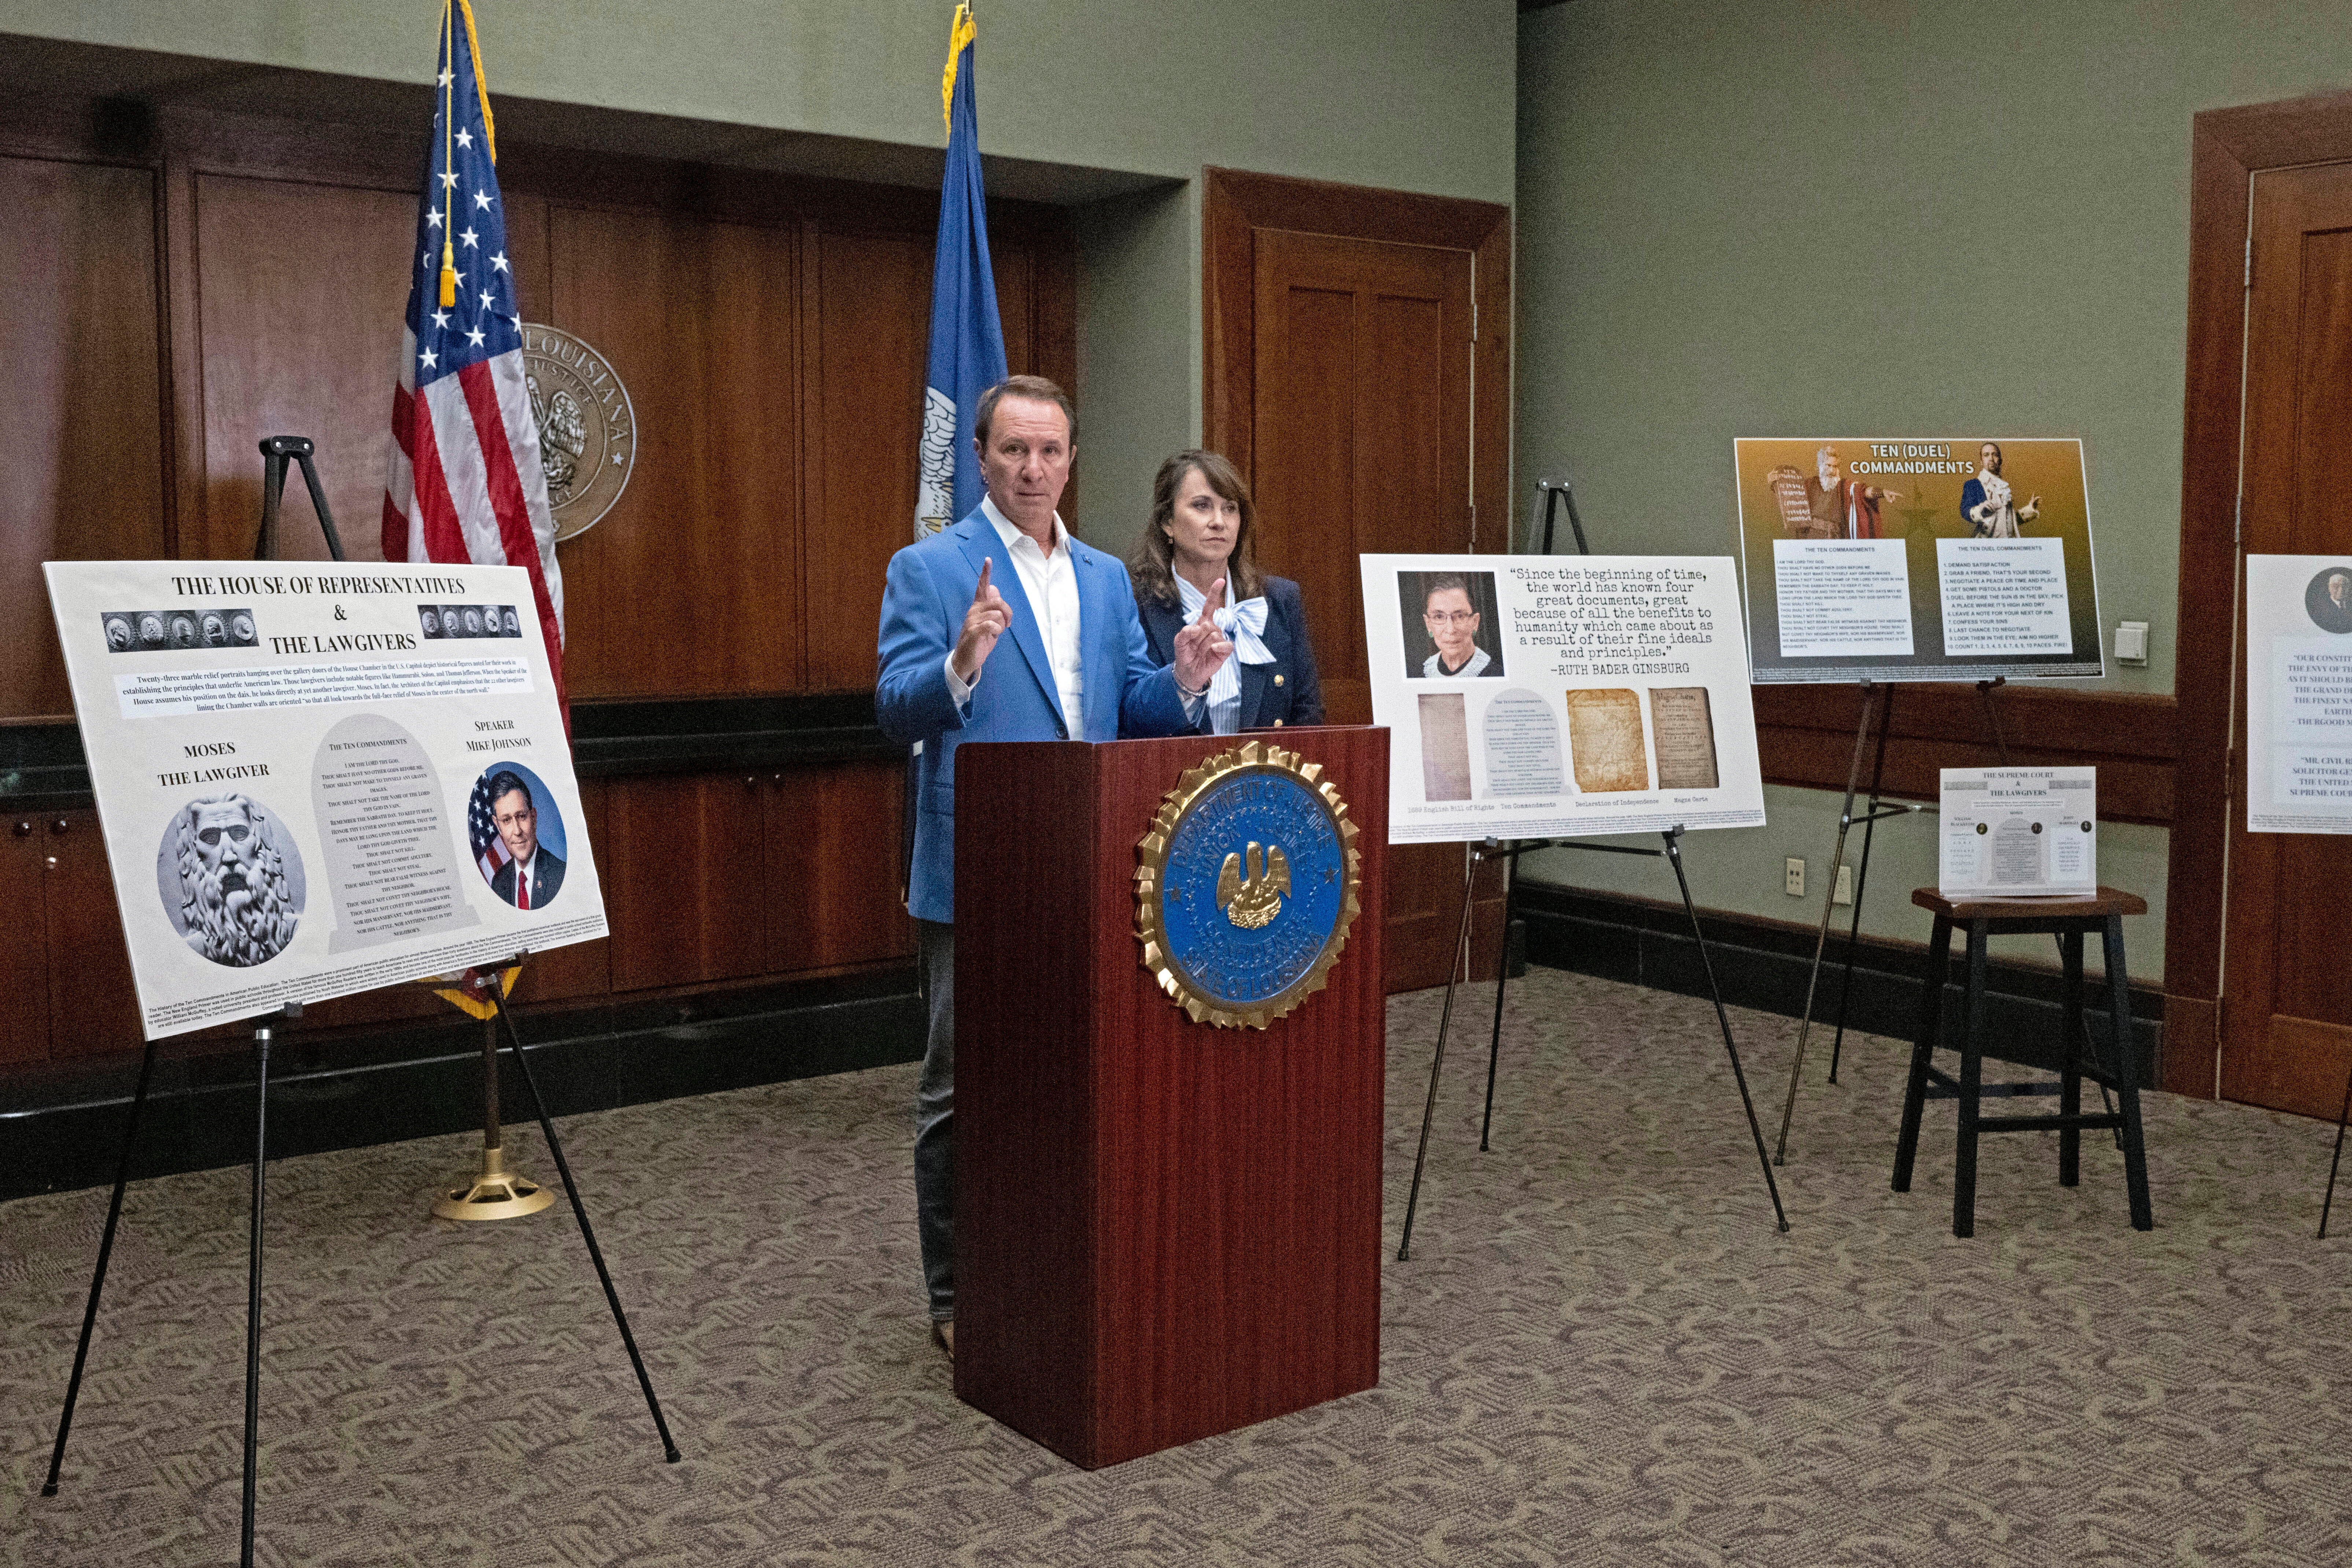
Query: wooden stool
{"points": [[2068, 920]]}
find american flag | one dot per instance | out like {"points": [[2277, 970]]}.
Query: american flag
{"points": [[482, 831], [464, 482]]}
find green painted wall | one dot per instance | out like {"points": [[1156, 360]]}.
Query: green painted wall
{"points": [[1854, 215], [1412, 94]]}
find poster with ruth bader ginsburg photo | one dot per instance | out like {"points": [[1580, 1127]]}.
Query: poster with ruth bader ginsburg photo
{"points": [[1547, 696]]}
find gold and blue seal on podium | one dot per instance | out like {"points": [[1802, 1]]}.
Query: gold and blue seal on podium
{"points": [[1246, 885]]}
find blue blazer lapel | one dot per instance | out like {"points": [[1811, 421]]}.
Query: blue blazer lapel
{"points": [[979, 542], [1098, 614]]}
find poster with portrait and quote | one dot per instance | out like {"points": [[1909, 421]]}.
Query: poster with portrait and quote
{"points": [[317, 779], [2299, 693], [1561, 696], [1911, 558]]}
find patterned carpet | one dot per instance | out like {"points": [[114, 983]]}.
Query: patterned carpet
{"points": [[1600, 1353]]}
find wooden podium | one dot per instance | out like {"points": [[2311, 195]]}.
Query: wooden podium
{"points": [[1164, 1230]]}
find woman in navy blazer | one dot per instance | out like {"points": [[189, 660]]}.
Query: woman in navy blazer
{"points": [[1197, 542]]}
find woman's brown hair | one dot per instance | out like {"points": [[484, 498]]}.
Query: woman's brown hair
{"points": [[1153, 564]]}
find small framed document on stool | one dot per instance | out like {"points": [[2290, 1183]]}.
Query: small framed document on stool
{"points": [[2012, 833]]}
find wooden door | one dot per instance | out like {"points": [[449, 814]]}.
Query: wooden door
{"points": [[1352, 332], [1362, 436], [2286, 1013]]}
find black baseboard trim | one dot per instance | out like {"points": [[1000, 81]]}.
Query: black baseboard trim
{"points": [[1764, 965], [62, 1130]]}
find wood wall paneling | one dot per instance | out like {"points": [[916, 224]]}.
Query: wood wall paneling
{"points": [[300, 291], [832, 866], [81, 456], [93, 1007], [242, 276], [23, 963], [583, 968], [864, 419], [1805, 734], [691, 585], [685, 879]]}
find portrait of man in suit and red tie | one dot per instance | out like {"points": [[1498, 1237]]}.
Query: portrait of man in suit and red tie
{"points": [[506, 825]]}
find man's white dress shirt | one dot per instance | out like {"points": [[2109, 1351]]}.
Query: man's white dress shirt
{"points": [[1051, 584]]}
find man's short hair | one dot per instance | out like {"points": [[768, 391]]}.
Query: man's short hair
{"points": [[504, 783], [1438, 583], [1036, 388]]}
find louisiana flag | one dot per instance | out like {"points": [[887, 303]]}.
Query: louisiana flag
{"points": [[966, 339], [463, 482]]}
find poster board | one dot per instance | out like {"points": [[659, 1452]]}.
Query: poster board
{"points": [[1905, 558], [312, 780], [1561, 696], [2009, 833], [2298, 694]]}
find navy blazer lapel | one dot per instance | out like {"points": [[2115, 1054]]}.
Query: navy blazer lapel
{"points": [[980, 542], [1160, 624], [1253, 689]]}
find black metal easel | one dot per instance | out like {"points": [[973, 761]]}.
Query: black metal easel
{"points": [[2337, 1161], [277, 449], [1554, 492], [1847, 819]]}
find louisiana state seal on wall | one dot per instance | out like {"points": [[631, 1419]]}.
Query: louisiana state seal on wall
{"points": [[1246, 886], [587, 427]]}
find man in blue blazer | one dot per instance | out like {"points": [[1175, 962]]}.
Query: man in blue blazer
{"points": [[1078, 669]]}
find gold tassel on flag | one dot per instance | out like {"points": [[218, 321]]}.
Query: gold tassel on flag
{"points": [[960, 33], [449, 153]]}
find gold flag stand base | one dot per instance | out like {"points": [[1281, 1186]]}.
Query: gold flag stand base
{"points": [[496, 1193]]}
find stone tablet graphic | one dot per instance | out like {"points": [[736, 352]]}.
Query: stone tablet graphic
{"points": [[1444, 747], [1604, 741], [1522, 745], [392, 859], [1683, 727], [1797, 519]]}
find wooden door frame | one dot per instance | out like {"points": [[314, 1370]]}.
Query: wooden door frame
{"points": [[2228, 147], [1235, 203]]}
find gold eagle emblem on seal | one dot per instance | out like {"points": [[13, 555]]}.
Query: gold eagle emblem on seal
{"points": [[1246, 885]]}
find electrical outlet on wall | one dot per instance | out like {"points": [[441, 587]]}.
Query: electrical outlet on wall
{"points": [[1844, 894], [1796, 878]]}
